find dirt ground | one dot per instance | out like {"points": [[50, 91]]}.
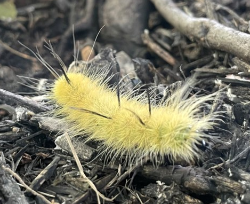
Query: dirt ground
{"points": [[157, 43]]}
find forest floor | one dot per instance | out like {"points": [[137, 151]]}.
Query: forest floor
{"points": [[150, 43]]}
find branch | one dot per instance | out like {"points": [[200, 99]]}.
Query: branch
{"points": [[7, 96], [208, 33]]}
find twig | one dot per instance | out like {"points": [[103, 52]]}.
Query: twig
{"points": [[138, 164], [157, 49], [232, 13], [238, 156], [26, 186], [91, 184], [22, 101], [45, 174], [7, 47]]}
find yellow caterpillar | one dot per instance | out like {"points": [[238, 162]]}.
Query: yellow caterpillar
{"points": [[173, 128], [124, 124]]}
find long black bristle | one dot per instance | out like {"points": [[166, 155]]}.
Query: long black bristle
{"points": [[118, 83], [65, 75], [118, 89], [92, 112], [149, 102], [63, 67], [140, 120], [39, 57]]}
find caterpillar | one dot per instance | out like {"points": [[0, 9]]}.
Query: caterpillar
{"points": [[128, 125]]}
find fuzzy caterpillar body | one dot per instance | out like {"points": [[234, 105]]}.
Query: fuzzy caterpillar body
{"points": [[172, 129]]}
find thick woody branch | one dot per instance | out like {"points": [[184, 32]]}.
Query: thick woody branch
{"points": [[207, 32]]}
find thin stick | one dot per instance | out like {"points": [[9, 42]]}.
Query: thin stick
{"points": [[79, 165], [25, 185], [22, 101], [7, 47]]}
